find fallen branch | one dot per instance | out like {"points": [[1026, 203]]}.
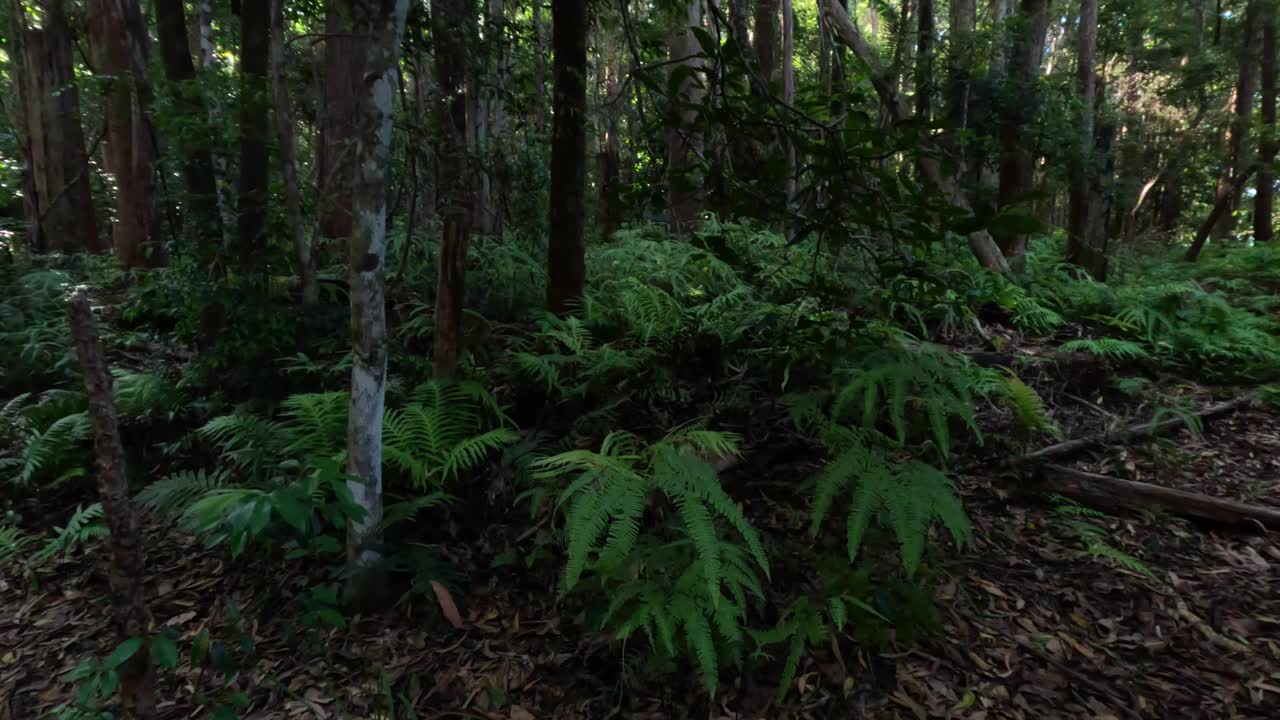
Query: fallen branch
{"points": [[1109, 492], [1146, 429]]}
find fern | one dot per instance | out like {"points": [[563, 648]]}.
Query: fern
{"points": [[144, 395], [84, 525], [1026, 403], [173, 494], [1076, 518], [316, 423], [444, 431], [1112, 348], [13, 542], [57, 449]]}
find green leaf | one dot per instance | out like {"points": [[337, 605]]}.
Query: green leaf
{"points": [[164, 652], [123, 652]]}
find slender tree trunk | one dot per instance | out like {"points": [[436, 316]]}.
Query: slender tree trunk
{"points": [[207, 56], [565, 249], [1238, 149], [1017, 161], [766, 38], [789, 97], [609, 161], [119, 46], [1222, 204], [58, 201], [454, 199], [255, 130], [491, 123], [289, 158], [1263, 226], [924, 62], [684, 198], [1078, 250], [128, 556], [963, 22], [344, 56], [382, 23], [539, 70], [192, 146]]}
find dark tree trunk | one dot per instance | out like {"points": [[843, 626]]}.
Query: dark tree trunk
{"points": [[118, 44], [1238, 149], [1078, 225], [192, 146], [289, 158], [128, 558], [255, 130], [455, 196], [1221, 205], [959, 79], [1017, 161], [1263, 227], [565, 248], [609, 159], [924, 62], [58, 200], [344, 57], [766, 38]]}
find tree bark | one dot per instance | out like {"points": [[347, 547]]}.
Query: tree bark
{"points": [[255, 130], [382, 23], [454, 199], [1263, 201], [128, 557], [684, 197], [1017, 161], [539, 69], [963, 22], [289, 159], [118, 46], [766, 39], [493, 124], [1238, 149], [1111, 492], [207, 55], [565, 248], [59, 202], [192, 146], [609, 161], [1086, 83], [1221, 206], [924, 62], [344, 55], [789, 97]]}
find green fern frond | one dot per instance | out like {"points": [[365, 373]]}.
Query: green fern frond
{"points": [[1112, 348], [174, 493], [1026, 403], [13, 542], [317, 423], [85, 524], [138, 394], [55, 448]]}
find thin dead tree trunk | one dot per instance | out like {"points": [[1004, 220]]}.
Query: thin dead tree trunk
{"points": [[382, 23], [128, 557], [289, 159]]}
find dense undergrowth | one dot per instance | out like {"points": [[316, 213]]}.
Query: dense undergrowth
{"points": [[614, 427]]}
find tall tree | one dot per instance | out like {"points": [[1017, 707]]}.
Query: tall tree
{"points": [[1079, 245], [1263, 201], [192, 144], [59, 204], [382, 23], [960, 61], [119, 47], [924, 61], [1238, 148], [255, 129], [789, 97], [566, 219], [766, 39], [454, 199], [491, 122], [289, 158], [344, 55], [1017, 159], [684, 199]]}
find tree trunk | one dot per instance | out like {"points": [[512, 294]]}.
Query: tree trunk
{"points": [[1263, 227], [789, 97], [289, 158], [539, 70], [344, 56], [1221, 205], [381, 22], [255, 130], [684, 198], [119, 45], [1238, 132], [128, 557], [491, 124], [455, 196], [1078, 248], [766, 39], [565, 248], [59, 202], [609, 161], [207, 55], [1017, 161], [192, 146], [960, 62], [924, 62]]}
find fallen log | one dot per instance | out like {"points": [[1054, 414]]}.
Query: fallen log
{"points": [[1110, 492], [1146, 429]]}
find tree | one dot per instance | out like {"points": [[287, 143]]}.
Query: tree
{"points": [[1238, 149], [192, 145], [924, 62], [345, 51], [766, 39], [119, 47], [455, 198], [59, 205], [1263, 222], [382, 22], [1017, 160], [789, 97], [684, 200], [289, 158], [960, 59], [255, 129], [1080, 244], [566, 220]]}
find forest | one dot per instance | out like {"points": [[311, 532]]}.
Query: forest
{"points": [[521, 359]]}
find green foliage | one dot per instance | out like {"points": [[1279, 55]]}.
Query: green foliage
{"points": [[56, 453], [174, 493], [1025, 402], [566, 360], [145, 396], [13, 542], [444, 430], [1111, 348], [84, 525], [1078, 519]]}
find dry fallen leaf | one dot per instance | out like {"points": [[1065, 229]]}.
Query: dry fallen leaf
{"points": [[447, 606]]}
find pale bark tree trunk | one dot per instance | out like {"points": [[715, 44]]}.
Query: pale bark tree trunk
{"points": [[565, 270], [119, 45], [255, 130], [609, 161], [208, 53], [455, 198], [1079, 249], [1017, 161], [1238, 149], [382, 23], [492, 123], [1263, 227], [343, 85], [684, 197], [59, 201], [963, 23], [539, 69], [789, 97], [128, 557], [193, 147], [289, 159]]}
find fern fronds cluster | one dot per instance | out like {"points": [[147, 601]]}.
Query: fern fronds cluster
{"points": [[85, 525], [13, 543], [174, 493], [1107, 347], [445, 429]]}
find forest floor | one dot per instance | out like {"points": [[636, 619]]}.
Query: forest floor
{"points": [[1033, 627]]}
